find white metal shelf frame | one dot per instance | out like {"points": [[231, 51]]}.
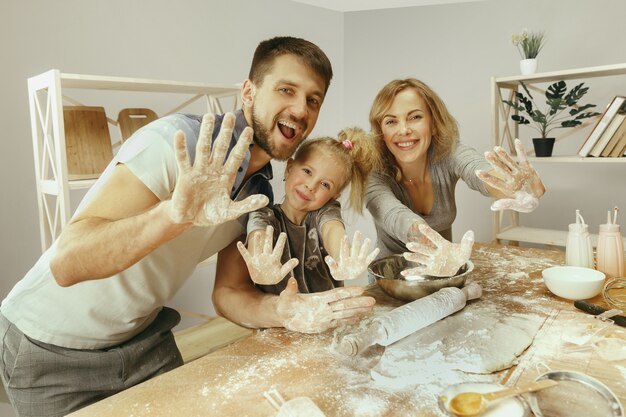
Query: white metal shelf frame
{"points": [[46, 95], [504, 130]]}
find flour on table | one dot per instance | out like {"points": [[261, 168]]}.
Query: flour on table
{"points": [[300, 407], [475, 340], [514, 276]]}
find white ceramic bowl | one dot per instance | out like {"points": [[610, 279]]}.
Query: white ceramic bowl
{"points": [[573, 282]]}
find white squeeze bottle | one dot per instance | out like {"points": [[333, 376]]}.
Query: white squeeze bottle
{"points": [[611, 248], [578, 250]]}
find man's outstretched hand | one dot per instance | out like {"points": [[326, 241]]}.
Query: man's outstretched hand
{"points": [[202, 192]]}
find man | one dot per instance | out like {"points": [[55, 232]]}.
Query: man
{"points": [[88, 320]]}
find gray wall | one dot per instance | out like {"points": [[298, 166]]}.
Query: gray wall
{"points": [[456, 48]]}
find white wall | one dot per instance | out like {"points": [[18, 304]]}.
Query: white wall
{"points": [[456, 48]]}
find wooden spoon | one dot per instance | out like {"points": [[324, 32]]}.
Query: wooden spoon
{"points": [[470, 404]]}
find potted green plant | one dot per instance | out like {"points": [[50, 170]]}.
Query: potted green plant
{"points": [[555, 116], [528, 44]]}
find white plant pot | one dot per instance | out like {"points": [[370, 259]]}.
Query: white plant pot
{"points": [[528, 66]]}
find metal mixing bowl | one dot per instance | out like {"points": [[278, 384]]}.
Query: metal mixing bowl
{"points": [[388, 277]]}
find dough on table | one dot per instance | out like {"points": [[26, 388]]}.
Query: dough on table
{"points": [[478, 339]]}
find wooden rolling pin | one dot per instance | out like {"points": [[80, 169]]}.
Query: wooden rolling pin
{"points": [[411, 317]]}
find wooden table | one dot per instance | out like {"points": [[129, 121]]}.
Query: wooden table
{"points": [[231, 381]]}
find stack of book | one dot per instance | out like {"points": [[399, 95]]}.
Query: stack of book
{"points": [[608, 137]]}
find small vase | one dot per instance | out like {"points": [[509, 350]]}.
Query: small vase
{"points": [[543, 146], [528, 66]]}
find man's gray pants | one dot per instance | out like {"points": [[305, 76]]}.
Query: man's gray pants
{"points": [[47, 380]]}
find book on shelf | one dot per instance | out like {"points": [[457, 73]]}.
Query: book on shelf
{"points": [[601, 125], [605, 137], [615, 139], [620, 147]]}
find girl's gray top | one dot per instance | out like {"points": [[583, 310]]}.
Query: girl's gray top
{"points": [[393, 212], [304, 242]]}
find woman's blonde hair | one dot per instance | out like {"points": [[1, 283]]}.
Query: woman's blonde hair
{"points": [[446, 130], [357, 153]]}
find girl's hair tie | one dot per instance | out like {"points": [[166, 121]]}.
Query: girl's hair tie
{"points": [[347, 144]]}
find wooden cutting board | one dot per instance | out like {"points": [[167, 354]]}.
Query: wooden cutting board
{"points": [[87, 141]]}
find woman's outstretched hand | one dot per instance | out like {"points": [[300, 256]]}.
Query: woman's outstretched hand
{"points": [[263, 260], [518, 181], [443, 258], [353, 259]]}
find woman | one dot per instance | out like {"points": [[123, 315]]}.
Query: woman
{"points": [[411, 198]]}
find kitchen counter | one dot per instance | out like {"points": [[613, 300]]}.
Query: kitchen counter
{"points": [[231, 381]]}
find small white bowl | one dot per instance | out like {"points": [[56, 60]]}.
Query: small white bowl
{"points": [[573, 282]]}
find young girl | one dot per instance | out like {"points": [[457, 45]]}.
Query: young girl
{"points": [[306, 229]]}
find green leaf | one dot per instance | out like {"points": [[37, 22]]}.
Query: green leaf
{"points": [[528, 105], [570, 123], [587, 115], [526, 89], [576, 94], [556, 90], [556, 104], [520, 119], [580, 109], [514, 105], [539, 117]]}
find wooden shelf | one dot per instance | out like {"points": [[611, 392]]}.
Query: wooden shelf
{"points": [[577, 159], [533, 235], [540, 236], [46, 93], [102, 82], [571, 74], [503, 130], [52, 187]]}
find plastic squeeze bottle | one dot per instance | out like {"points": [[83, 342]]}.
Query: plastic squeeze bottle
{"points": [[578, 251], [611, 247]]}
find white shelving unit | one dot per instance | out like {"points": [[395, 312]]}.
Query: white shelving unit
{"points": [[504, 131], [47, 95]]}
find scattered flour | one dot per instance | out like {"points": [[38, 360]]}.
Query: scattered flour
{"points": [[403, 379]]}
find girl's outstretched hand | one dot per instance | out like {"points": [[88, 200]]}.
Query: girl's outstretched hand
{"points": [[353, 259], [262, 260], [518, 181], [443, 258], [318, 312]]}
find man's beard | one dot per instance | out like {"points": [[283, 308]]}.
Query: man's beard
{"points": [[262, 140]]}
